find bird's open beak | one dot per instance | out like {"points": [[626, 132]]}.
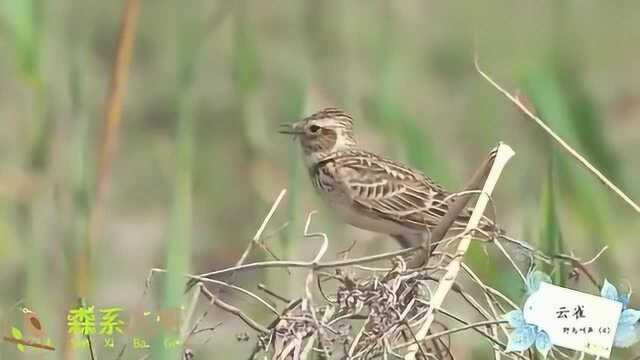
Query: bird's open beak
{"points": [[290, 129]]}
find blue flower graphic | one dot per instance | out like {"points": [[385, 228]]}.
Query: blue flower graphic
{"points": [[627, 332], [525, 335]]}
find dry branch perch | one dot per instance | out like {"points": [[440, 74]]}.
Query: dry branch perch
{"points": [[385, 312], [376, 315], [504, 153], [306, 264], [28, 343]]}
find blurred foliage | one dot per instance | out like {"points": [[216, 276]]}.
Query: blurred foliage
{"points": [[199, 162], [24, 24]]}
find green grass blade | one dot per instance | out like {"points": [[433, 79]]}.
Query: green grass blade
{"points": [[24, 25], [178, 247], [550, 234]]}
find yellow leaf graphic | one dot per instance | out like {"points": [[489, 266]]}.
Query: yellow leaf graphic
{"points": [[16, 333]]}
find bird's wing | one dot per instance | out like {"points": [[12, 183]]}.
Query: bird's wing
{"points": [[385, 189]]}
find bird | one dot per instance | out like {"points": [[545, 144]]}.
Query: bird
{"points": [[32, 325], [367, 190]]}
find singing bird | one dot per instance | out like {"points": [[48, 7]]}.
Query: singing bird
{"points": [[367, 190]]}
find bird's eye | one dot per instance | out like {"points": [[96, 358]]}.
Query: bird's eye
{"points": [[314, 128]]}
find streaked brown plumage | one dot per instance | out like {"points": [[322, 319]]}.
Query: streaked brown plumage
{"points": [[367, 190]]}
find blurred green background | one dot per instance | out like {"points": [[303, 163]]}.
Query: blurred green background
{"points": [[198, 162]]}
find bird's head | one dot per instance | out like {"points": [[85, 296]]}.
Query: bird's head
{"points": [[322, 133]]}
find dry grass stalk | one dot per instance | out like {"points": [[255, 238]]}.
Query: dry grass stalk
{"points": [[570, 150], [111, 125]]}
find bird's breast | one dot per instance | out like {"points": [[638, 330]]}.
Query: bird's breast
{"points": [[323, 176]]}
